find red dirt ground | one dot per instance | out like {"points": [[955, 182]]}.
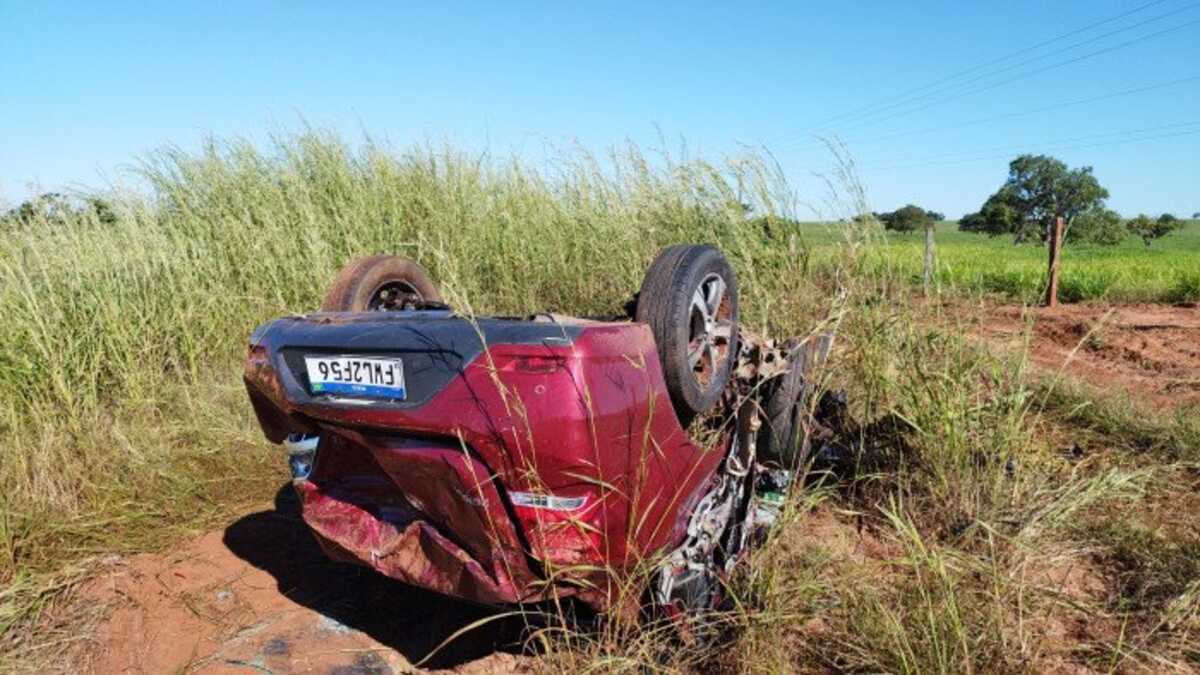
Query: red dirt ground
{"points": [[260, 597], [1152, 352]]}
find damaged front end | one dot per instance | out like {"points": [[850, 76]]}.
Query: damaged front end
{"points": [[731, 515]]}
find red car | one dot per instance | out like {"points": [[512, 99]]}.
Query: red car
{"points": [[510, 460]]}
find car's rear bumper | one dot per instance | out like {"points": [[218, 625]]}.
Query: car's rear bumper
{"points": [[424, 512]]}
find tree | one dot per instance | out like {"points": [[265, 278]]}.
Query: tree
{"points": [[936, 216], [774, 226], [1038, 190], [1097, 226], [56, 208], [1196, 215], [906, 219], [1149, 230], [973, 222], [997, 216]]}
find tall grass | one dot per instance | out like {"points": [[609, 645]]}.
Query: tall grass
{"points": [[125, 427], [234, 235], [121, 413]]}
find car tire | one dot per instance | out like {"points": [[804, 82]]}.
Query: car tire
{"points": [[783, 439], [380, 283], [779, 437], [689, 299]]}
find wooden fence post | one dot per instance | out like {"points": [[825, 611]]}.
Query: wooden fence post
{"points": [[928, 275], [1055, 250]]}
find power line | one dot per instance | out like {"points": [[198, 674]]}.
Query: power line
{"points": [[1020, 113], [1036, 71], [1026, 151], [1025, 62], [1074, 139], [999, 59], [1034, 111]]}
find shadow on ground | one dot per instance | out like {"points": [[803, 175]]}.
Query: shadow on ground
{"points": [[411, 621]]}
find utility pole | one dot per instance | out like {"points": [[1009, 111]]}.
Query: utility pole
{"points": [[1055, 251]]}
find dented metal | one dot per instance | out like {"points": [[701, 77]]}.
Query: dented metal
{"points": [[535, 459]]}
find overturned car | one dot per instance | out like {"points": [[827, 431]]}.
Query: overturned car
{"points": [[512, 460]]}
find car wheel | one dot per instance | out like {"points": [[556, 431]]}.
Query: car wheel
{"points": [[783, 416], [689, 300], [380, 283], [782, 439]]}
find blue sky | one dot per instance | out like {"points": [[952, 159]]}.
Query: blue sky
{"points": [[87, 87]]}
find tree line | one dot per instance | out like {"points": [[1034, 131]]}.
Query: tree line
{"points": [[1040, 189], [907, 218], [57, 209]]}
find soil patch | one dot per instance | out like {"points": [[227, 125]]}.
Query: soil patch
{"points": [[1150, 351], [262, 597]]}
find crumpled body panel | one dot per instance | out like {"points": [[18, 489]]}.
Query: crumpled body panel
{"points": [[441, 489], [422, 512]]}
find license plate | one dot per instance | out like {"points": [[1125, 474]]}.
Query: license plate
{"points": [[356, 376]]}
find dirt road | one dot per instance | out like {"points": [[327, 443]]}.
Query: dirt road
{"points": [[260, 597]]}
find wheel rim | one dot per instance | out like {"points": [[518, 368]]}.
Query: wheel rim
{"points": [[710, 328], [394, 296]]}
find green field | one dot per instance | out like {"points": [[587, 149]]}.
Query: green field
{"points": [[125, 429], [967, 262], [1166, 271]]}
